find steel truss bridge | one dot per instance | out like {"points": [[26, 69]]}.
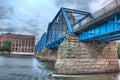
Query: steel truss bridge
{"points": [[102, 26]]}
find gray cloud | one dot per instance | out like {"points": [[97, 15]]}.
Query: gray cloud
{"points": [[84, 5], [4, 12], [9, 22], [77, 4], [8, 29]]}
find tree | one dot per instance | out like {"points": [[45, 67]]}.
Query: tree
{"points": [[6, 46], [0, 48], [118, 49]]}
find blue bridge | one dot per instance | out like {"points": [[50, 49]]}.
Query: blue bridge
{"points": [[102, 26], [84, 41]]}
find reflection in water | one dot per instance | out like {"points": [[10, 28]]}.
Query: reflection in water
{"points": [[29, 68]]}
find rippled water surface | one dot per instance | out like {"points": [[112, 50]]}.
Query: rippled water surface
{"points": [[29, 68]]}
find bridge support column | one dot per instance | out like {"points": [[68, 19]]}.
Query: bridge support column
{"points": [[47, 54], [82, 58]]}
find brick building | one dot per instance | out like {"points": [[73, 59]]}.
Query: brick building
{"points": [[20, 43]]}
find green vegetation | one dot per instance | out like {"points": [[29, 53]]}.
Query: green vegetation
{"points": [[6, 46], [118, 50]]}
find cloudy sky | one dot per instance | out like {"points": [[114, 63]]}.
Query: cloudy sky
{"points": [[31, 17]]}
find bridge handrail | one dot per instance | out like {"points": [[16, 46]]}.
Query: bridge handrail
{"points": [[104, 10]]}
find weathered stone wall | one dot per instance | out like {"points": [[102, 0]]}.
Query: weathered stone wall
{"points": [[47, 54], [80, 58]]}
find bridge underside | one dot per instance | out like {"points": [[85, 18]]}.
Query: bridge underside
{"points": [[105, 32]]}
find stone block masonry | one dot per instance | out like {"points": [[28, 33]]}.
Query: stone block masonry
{"points": [[75, 57], [47, 54]]}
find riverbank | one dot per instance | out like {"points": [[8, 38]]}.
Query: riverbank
{"points": [[16, 55]]}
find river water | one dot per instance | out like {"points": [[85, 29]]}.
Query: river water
{"points": [[29, 68]]}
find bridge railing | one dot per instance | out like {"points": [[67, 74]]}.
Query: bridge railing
{"points": [[98, 13], [104, 10], [107, 8], [118, 2]]}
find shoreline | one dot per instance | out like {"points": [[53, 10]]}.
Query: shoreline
{"points": [[16, 55]]}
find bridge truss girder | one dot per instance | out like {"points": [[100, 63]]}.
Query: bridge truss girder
{"points": [[41, 43], [62, 24], [105, 32]]}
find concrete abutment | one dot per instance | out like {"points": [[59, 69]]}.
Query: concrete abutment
{"points": [[75, 57], [47, 54]]}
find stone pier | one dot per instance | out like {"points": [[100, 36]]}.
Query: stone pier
{"points": [[47, 54], [75, 57]]}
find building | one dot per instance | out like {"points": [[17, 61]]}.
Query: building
{"points": [[21, 44]]}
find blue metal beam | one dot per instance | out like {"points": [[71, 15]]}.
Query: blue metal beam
{"points": [[77, 11], [81, 19], [70, 28]]}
